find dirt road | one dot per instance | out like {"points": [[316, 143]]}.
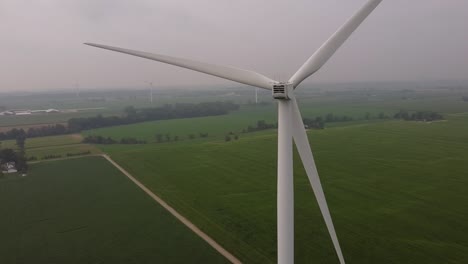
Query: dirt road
{"points": [[171, 210]]}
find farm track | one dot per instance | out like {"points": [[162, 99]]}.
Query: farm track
{"points": [[161, 202]]}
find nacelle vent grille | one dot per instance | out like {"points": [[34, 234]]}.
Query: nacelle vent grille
{"points": [[280, 91]]}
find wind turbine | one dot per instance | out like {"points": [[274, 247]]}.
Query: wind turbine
{"points": [[256, 95], [77, 89], [151, 91], [290, 125]]}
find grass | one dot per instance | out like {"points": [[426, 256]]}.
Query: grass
{"points": [[26, 121], [397, 191], [340, 104], [215, 126], [85, 211], [53, 145], [49, 141]]}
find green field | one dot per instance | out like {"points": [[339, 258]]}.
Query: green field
{"points": [[396, 189], [53, 145], [85, 211], [353, 104], [215, 126]]}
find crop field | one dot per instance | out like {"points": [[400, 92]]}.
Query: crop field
{"points": [[85, 211], [62, 145], [352, 103], [26, 121], [396, 190], [317, 99], [215, 126]]}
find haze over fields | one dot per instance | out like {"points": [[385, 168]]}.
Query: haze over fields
{"points": [[402, 40], [108, 158]]}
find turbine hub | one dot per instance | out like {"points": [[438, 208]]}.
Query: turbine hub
{"points": [[281, 90]]}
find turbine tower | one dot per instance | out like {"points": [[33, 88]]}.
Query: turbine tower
{"points": [[151, 91], [290, 125], [256, 95], [77, 89]]}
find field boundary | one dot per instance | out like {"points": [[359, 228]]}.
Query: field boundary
{"points": [[65, 158], [171, 210]]}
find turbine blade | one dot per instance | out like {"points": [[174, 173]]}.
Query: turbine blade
{"points": [[321, 56], [303, 147], [230, 73]]}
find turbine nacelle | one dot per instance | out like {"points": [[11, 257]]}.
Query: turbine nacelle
{"points": [[282, 90]]}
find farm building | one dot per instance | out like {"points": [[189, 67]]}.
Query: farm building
{"points": [[9, 167], [18, 113], [51, 110]]}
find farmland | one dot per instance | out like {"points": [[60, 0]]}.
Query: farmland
{"points": [[58, 146], [396, 190], [85, 211]]}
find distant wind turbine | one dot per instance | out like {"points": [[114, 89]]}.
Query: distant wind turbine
{"points": [[151, 91], [77, 89], [256, 95], [290, 124]]}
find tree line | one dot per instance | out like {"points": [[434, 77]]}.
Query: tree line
{"points": [[109, 140], [131, 115], [418, 116], [320, 121], [49, 130], [18, 156]]}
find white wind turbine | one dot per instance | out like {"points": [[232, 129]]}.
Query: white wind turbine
{"points": [[290, 125], [151, 91]]}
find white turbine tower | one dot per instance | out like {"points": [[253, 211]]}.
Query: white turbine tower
{"points": [[256, 95], [151, 91], [290, 125]]}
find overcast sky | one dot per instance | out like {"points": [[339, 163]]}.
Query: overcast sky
{"points": [[403, 40]]}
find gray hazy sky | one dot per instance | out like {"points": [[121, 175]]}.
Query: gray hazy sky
{"points": [[41, 40]]}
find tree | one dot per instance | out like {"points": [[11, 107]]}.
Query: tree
{"points": [[330, 117], [159, 138], [20, 142], [130, 111], [367, 116], [7, 155], [261, 124], [227, 138], [21, 164]]}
